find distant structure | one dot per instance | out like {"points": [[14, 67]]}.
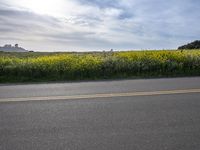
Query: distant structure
{"points": [[10, 48], [16, 45]]}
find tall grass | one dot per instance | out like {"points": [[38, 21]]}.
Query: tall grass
{"points": [[73, 66]]}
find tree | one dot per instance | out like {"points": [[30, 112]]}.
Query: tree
{"points": [[192, 45]]}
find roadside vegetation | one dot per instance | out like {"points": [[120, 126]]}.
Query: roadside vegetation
{"points": [[192, 45], [21, 67]]}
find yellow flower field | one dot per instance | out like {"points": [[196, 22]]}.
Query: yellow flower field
{"points": [[79, 66]]}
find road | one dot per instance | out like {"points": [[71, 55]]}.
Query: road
{"points": [[151, 114]]}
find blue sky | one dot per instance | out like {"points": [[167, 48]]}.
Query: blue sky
{"points": [[87, 25]]}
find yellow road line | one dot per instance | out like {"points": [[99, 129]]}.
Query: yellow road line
{"points": [[106, 95]]}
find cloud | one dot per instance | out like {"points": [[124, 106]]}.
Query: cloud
{"points": [[101, 24], [101, 3]]}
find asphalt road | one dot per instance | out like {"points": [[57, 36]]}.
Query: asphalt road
{"points": [[145, 122]]}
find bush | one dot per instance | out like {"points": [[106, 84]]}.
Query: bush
{"points": [[193, 45]]}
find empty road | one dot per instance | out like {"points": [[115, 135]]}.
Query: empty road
{"points": [[146, 114]]}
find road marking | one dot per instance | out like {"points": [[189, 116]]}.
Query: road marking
{"points": [[106, 95]]}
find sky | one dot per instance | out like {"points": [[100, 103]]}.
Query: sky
{"points": [[99, 25]]}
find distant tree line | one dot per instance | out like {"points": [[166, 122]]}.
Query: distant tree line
{"points": [[192, 45]]}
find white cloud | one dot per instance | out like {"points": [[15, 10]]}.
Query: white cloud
{"points": [[99, 24]]}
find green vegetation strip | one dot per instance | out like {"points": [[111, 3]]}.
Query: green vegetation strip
{"points": [[21, 67]]}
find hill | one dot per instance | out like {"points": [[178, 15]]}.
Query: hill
{"points": [[10, 48]]}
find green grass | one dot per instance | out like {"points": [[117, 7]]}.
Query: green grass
{"points": [[21, 67]]}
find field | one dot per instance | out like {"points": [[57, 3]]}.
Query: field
{"points": [[22, 67]]}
